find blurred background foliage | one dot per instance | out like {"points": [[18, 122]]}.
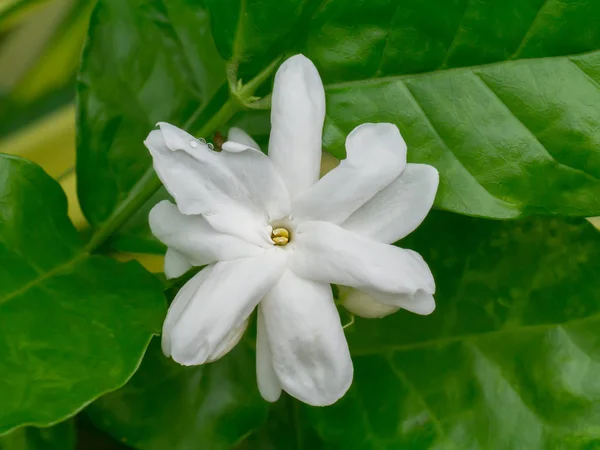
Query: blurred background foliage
{"points": [[40, 48]]}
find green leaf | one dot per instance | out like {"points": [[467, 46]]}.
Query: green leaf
{"points": [[497, 96], [72, 326], [509, 359], [284, 429], [58, 437], [244, 29], [166, 405], [145, 62], [512, 139]]}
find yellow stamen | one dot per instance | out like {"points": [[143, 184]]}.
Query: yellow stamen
{"points": [[280, 236]]}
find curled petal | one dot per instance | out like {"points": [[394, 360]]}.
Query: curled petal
{"points": [[421, 302], [178, 306], [230, 341], [399, 209], [214, 303], [376, 304], [330, 254], [239, 139], [376, 155], [194, 239], [364, 305], [243, 187], [176, 264]]}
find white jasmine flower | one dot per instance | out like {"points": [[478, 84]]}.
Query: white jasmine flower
{"points": [[275, 236]]}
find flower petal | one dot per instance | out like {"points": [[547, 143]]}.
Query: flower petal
{"points": [[376, 155], [226, 186], [266, 189], [268, 383], [234, 147], [377, 304], [179, 304], [330, 254], [310, 353], [197, 186], [175, 263], [399, 209], [421, 302], [241, 137], [297, 116], [363, 304], [230, 341], [218, 303], [194, 239]]}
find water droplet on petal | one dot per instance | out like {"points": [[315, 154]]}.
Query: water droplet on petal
{"points": [[194, 144], [202, 141], [210, 146]]}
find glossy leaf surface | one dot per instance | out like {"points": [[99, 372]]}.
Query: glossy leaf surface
{"points": [[72, 326], [166, 405], [511, 139], [496, 96], [507, 360], [145, 62]]}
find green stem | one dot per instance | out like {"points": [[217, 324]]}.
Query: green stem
{"points": [[149, 183], [145, 188], [243, 95], [250, 88], [227, 111]]}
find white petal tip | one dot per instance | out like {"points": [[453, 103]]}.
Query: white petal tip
{"points": [[363, 305], [323, 398], [187, 355], [234, 147], [160, 214], [165, 345], [368, 133], [188, 362], [425, 303], [154, 140], [429, 171], [270, 396], [300, 65], [298, 58]]}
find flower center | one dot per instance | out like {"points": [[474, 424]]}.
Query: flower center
{"points": [[280, 236]]}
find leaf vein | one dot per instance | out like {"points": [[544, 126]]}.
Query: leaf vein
{"points": [[395, 78], [474, 336], [42, 277], [387, 41], [404, 379], [445, 145], [584, 73], [452, 45], [531, 133], [529, 31]]}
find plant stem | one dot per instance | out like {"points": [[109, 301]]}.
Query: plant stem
{"points": [[146, 186], [250, 88], [149, 183], [227, 111]]}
